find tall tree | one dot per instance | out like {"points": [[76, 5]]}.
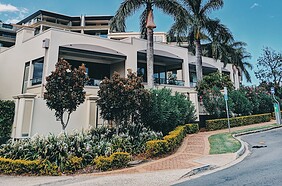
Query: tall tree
{"points": [[65, 90], [198, 26], [269, 66], [128, 7], [229, 52]]}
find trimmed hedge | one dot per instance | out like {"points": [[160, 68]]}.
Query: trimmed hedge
{"points": [[217, 124], [7, 110], [170, 141], [19, 167], [116, 160]]}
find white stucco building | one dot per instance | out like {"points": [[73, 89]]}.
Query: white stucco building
{"points": [[25, 66]]}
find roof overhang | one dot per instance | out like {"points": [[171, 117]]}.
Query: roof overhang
{"points": [[161, 57], [91, 53]]}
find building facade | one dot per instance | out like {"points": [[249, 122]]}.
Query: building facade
{"points": [[43, 20], [7, 35]]}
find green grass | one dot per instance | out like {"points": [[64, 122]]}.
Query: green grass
{"points": [[225, 143]]}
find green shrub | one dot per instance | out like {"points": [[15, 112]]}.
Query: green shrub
{"points": [[168, 111], [73, 164], [217, 124], [170, 141], [241, 104], [103, 163], [116, 160], [35, 167], [120, 159], [156, 147], [7, 110]]}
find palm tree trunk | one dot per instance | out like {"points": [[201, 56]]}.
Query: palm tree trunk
{"points": [[199, 62], [150, 58]]}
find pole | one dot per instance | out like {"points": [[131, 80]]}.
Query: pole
{"points": [[226, 105], [227, 113]]}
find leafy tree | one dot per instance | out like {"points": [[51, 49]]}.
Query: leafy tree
{"points": [[198, 26], [269, 66], [65, 90], [123, 100], [214, 103], [214, 80], [260, 99], [167, 111], [127, 8], [241, 104], [7, 112]]}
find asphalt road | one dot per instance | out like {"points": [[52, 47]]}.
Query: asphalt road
{"points": [[262, 167]]}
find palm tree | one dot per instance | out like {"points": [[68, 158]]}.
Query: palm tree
{"points": [[197, 26], [128, 7], [229, 52]]}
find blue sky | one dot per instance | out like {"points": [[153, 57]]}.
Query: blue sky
{"points": [[256, 22]]}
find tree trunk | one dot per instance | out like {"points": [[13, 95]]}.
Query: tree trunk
{"points": [[199, 62], [150, 58]]}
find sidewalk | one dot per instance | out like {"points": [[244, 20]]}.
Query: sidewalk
{"points": [[193, 153]]}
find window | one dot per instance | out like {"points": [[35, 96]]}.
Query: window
{"points": [[25, 78], [37, 71]]}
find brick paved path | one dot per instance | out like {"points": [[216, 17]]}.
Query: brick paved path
{"points": [[194, 146]]}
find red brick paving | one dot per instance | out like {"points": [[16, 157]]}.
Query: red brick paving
{"points": [[194, 147]]}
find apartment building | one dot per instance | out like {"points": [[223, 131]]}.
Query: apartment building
{"points": [[85, 24], [7, 35]]}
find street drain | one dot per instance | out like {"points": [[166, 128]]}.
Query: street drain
{"points": [[258, 146]]}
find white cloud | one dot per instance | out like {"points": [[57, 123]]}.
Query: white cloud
{"points": [[254, 5], [8, 8]]}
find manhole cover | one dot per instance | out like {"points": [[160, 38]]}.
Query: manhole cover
{"points": [[258, 146]]}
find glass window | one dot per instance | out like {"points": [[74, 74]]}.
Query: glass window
{"points": [[37, 71], [25, 78]]}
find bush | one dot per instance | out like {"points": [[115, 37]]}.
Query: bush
{"points": [[66, 150], [214, 103], [36, 167], [116, 160], [168, 111], [7, 111], [217, 124], [241, 104], [73, 164], [170, 141]]}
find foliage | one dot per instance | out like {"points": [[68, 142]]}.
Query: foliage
{"points": [[217, 124], [167, 111], [35, 167], [214, 80], [241, 104], [127, 8], [66, 150], [269, 66], [7, 111], [170, 141], [260, 99], [116, 160], [65, 90], [214, 103], [197, 26], [123, 100]]}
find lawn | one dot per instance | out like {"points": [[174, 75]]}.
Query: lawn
{"points": [[225, 143]]}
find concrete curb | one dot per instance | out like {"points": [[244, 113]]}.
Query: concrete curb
{"points": [[256, 131], [244, 145], [197, 171], [240, 152]]}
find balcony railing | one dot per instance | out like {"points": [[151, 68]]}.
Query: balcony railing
{"points": [[169, 81], [93, 82]]}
